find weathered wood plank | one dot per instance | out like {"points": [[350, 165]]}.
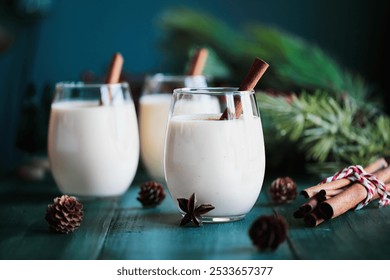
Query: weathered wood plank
{"points": [[362, 234], [138, 233], [122, 229], [24, 233]]}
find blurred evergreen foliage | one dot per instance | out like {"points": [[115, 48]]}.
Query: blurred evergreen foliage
{"points": [[332, 120]]}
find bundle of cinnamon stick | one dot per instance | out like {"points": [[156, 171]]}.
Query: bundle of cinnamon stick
{"points": [[329, 200]]}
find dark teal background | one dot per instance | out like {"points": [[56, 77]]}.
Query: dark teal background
{"points": [[67, 37]]}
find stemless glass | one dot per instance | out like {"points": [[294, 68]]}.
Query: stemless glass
{"points": [[93, 141], [153, 116], [221, 161]]}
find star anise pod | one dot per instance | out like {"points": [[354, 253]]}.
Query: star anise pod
{"points": [[193, 212]]}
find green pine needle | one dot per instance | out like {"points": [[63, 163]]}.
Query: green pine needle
{"points": [[326, 129], [331, 121]]}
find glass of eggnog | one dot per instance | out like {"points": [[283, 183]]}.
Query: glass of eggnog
{"points": [[222, 161], [93, 141], [154, 107]]}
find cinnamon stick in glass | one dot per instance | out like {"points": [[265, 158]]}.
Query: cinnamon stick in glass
{"points": [[198, 62], [350, 198], [255, 73], [334, 185], [114, 72]]}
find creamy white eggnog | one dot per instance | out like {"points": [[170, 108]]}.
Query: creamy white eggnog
{"points": [[222, 161], [154, 108], [153, 117], [93, 150]]}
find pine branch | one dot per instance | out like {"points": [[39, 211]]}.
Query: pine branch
{"points": [[295, 63], [331, 121], [304, 64], [326, 129]]}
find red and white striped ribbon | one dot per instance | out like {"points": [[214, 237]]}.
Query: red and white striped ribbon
{"points": [[356, 173]]}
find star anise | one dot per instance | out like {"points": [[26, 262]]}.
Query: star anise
{"points": [[193, 212]]}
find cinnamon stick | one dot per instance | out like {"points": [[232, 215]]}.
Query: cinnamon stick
{"points": [[114, 72], [198, 62], [255, 73], [300, 213], [313, 219], [351, 197], [329, 193], [310, 205], [318, 195], [378, 164], [334, 185]]}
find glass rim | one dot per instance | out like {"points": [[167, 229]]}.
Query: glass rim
{"points": [[81, 84], [213, 91]]}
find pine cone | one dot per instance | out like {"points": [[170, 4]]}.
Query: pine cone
{"points": [[283, 190], [65, 214], [151, 194], [268, 232]]}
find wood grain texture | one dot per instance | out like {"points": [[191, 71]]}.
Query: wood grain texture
{"points": [[24, 233], [362, 234], [138, 233], [121, 229]]}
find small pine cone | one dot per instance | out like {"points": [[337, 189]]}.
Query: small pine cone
{"points": [[268, 232], [65, 214], [151, 194], [283, 190]]}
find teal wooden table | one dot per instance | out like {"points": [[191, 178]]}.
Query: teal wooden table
{"points": [[121, 229]]}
